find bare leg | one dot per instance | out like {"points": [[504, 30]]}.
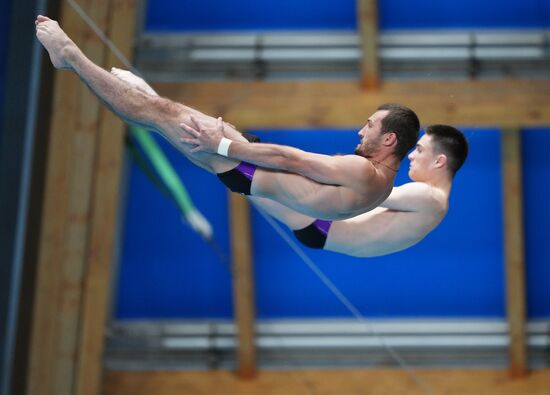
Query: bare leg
{"points": [[129, 103], [287, 216], [133, 80], [230, 131], [140, 84]]}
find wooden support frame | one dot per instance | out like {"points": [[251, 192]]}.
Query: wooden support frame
{"points": [[243, 284], [78, 220], [105, 198], [514, 250], [367, 12]]}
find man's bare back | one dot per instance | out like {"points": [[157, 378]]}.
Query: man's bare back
{"points": [[361, 183]]}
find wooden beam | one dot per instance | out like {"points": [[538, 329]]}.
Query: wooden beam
{"points": [[81, 200], [63, 239], [327, 381], [367, 12], [103, 220], [243, 284], [514, 250], [298, 104]]}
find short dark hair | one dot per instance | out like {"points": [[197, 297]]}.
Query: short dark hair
{"points": [[404, 123], [450, 142]]}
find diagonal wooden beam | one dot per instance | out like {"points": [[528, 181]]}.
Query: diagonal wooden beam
{"points": [[102, 225], [63, 241], [78, 218]]}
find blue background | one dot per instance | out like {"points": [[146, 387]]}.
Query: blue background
{"points": [[536, 184], [168, 272], [191, 15]]}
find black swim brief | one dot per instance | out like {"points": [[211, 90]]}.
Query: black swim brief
{"points": [[239, 179], [315, 234]]}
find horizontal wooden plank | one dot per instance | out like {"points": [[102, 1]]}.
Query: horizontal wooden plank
{"points": [[254, 104], [327, 382]]}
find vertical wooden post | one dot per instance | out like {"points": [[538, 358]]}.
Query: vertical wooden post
{"points": [[367, 12], [514, 250], [243, 284]]}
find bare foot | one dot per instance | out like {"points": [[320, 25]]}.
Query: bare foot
{"points": [[133, 80], [54, 40]]}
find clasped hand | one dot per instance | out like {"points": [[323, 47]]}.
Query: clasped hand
{"points": [[203, 137]]}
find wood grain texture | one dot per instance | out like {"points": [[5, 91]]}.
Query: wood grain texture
{"points": [[514, 250], [344, 104], [243, 284], [367, 13], [78, 222], [105, 196], [64, 233], [327, 382]]}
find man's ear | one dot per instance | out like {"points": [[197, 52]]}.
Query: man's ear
{"points": [[390, 138], [440, 161]]}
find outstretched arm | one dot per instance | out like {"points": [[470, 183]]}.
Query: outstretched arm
{"points": [[414, 196], [349, 170]]}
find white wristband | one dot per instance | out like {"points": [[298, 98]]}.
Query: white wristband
{"points": [[223, 147]]}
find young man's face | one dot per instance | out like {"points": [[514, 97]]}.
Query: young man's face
{"points": [[371, 135], [422, 159]]}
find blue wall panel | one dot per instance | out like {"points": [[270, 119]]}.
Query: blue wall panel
{"points": [[168, 272], [192, 15], [536, 180], [456, 271], [433, 14]]}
